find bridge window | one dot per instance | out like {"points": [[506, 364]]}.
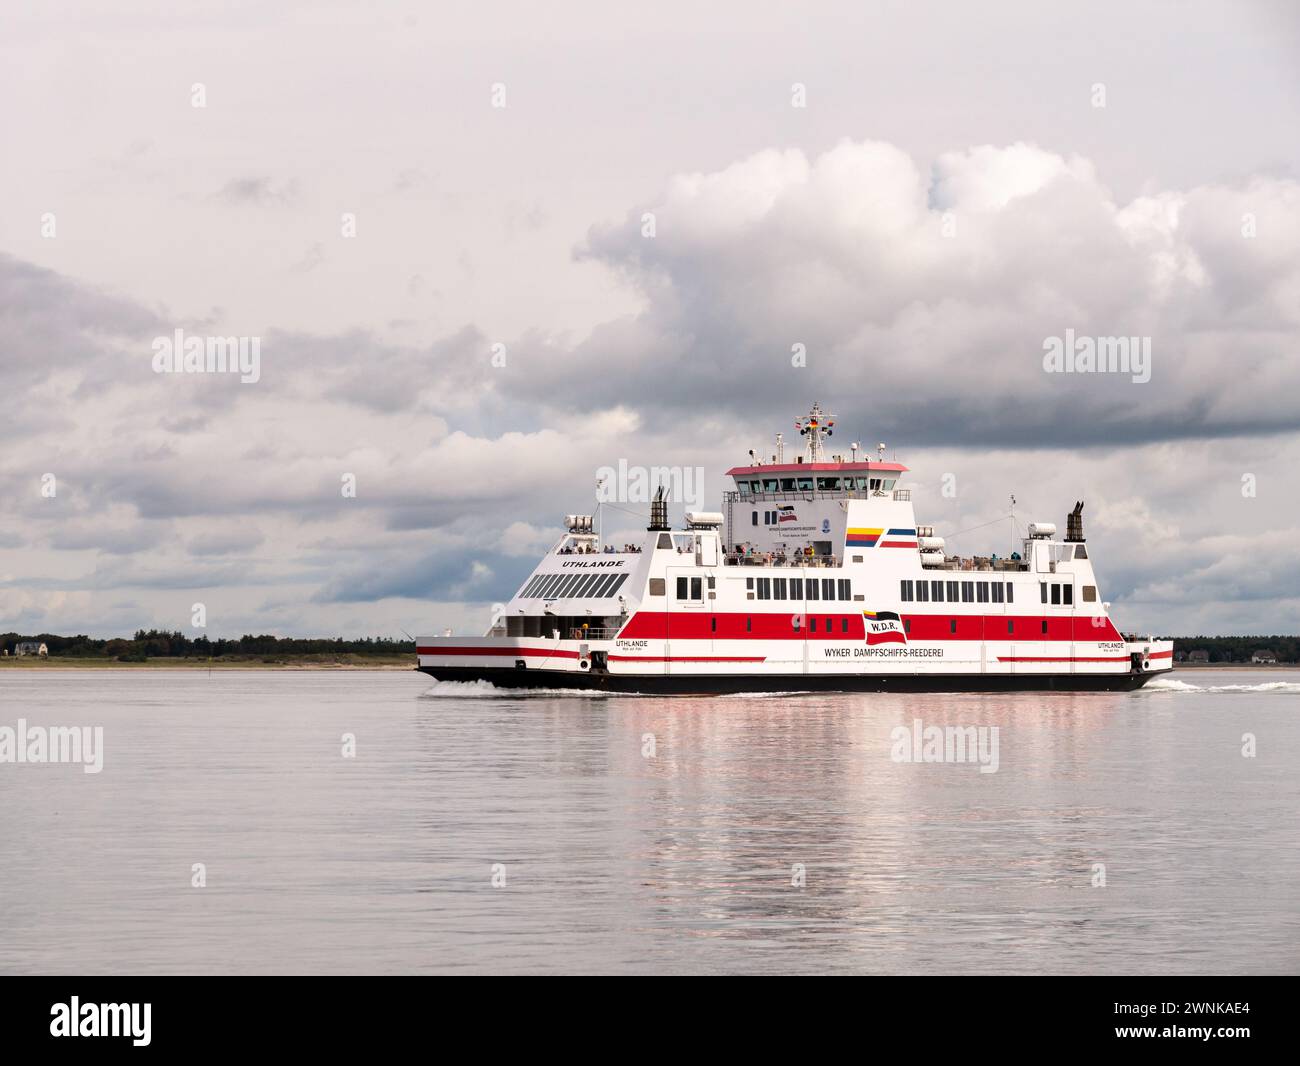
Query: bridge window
{"points": [[905, 592], [828, 588], [764, 588], [1042, 587], [1011, 592], [1067, 595], [778, 588], [828, 484], [936, 591], [769, 484], [681, 588], [845, 588], [1080, 552], [810, 588], [952, 592], [657, 586], [1056, 595], [787, 484], [982, 591], [805, 484], [875, 484], [796, 588], [923, 591], [1089, 593], [997, 591], [968, 592]]}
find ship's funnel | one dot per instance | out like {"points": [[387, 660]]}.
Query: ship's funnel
{"points": [[658, 513], [1074, 524]]}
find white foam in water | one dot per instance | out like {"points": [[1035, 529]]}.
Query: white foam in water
{"points": [[477, 689], [462, 689], [1169, 684]]}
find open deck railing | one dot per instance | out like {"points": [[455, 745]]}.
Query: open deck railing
{"points": [[776, 559], [591, 633]]}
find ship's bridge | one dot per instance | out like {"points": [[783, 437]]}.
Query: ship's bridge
{"points": [[800, 507], [842, 478]]}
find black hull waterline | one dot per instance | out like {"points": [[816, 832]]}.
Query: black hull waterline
{"points": [[723, 684]]}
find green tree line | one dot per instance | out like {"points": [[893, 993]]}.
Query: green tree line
{"points": [[1240, 649], [158, 643]]}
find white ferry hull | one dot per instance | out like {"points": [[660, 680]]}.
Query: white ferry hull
{"points": [[569, 665], [721, 684]]}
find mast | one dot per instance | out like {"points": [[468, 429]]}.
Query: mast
{"points": [[813, 427]]}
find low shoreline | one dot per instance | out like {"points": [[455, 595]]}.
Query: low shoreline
{"points": [[33, 663], [378, 663], [1236, 666]]}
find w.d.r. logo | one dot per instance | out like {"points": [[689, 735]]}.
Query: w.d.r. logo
{"points": [[884, 627]]}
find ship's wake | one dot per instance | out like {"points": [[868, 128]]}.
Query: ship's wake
{"points": [[1170, 684], [461, 690]]}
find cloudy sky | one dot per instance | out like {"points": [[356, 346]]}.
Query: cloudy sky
{"points": [[961, 183]]}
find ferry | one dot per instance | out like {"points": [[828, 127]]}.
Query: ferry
{"points": [[814, 576]]}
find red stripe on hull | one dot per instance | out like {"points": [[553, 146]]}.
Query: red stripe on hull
{"points": [[1062, 658], [688, 658], [771, 625]]}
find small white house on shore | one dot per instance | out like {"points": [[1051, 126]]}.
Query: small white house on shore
{"points": [[1266, 657], [31, 647]]}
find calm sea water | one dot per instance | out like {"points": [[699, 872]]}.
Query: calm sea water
{"points": [[613, 861]]}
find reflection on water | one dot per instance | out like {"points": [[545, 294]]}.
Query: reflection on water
{"points": [[646, 833]]}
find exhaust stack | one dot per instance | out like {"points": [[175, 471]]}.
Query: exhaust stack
{"points": [[658, 513], [1074, 524]]}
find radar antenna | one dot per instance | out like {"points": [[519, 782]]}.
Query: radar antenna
{"points": [[814, 426]]}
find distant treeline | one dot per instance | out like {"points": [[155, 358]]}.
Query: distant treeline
{"points": [[157, 643], [1239, 649]]}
